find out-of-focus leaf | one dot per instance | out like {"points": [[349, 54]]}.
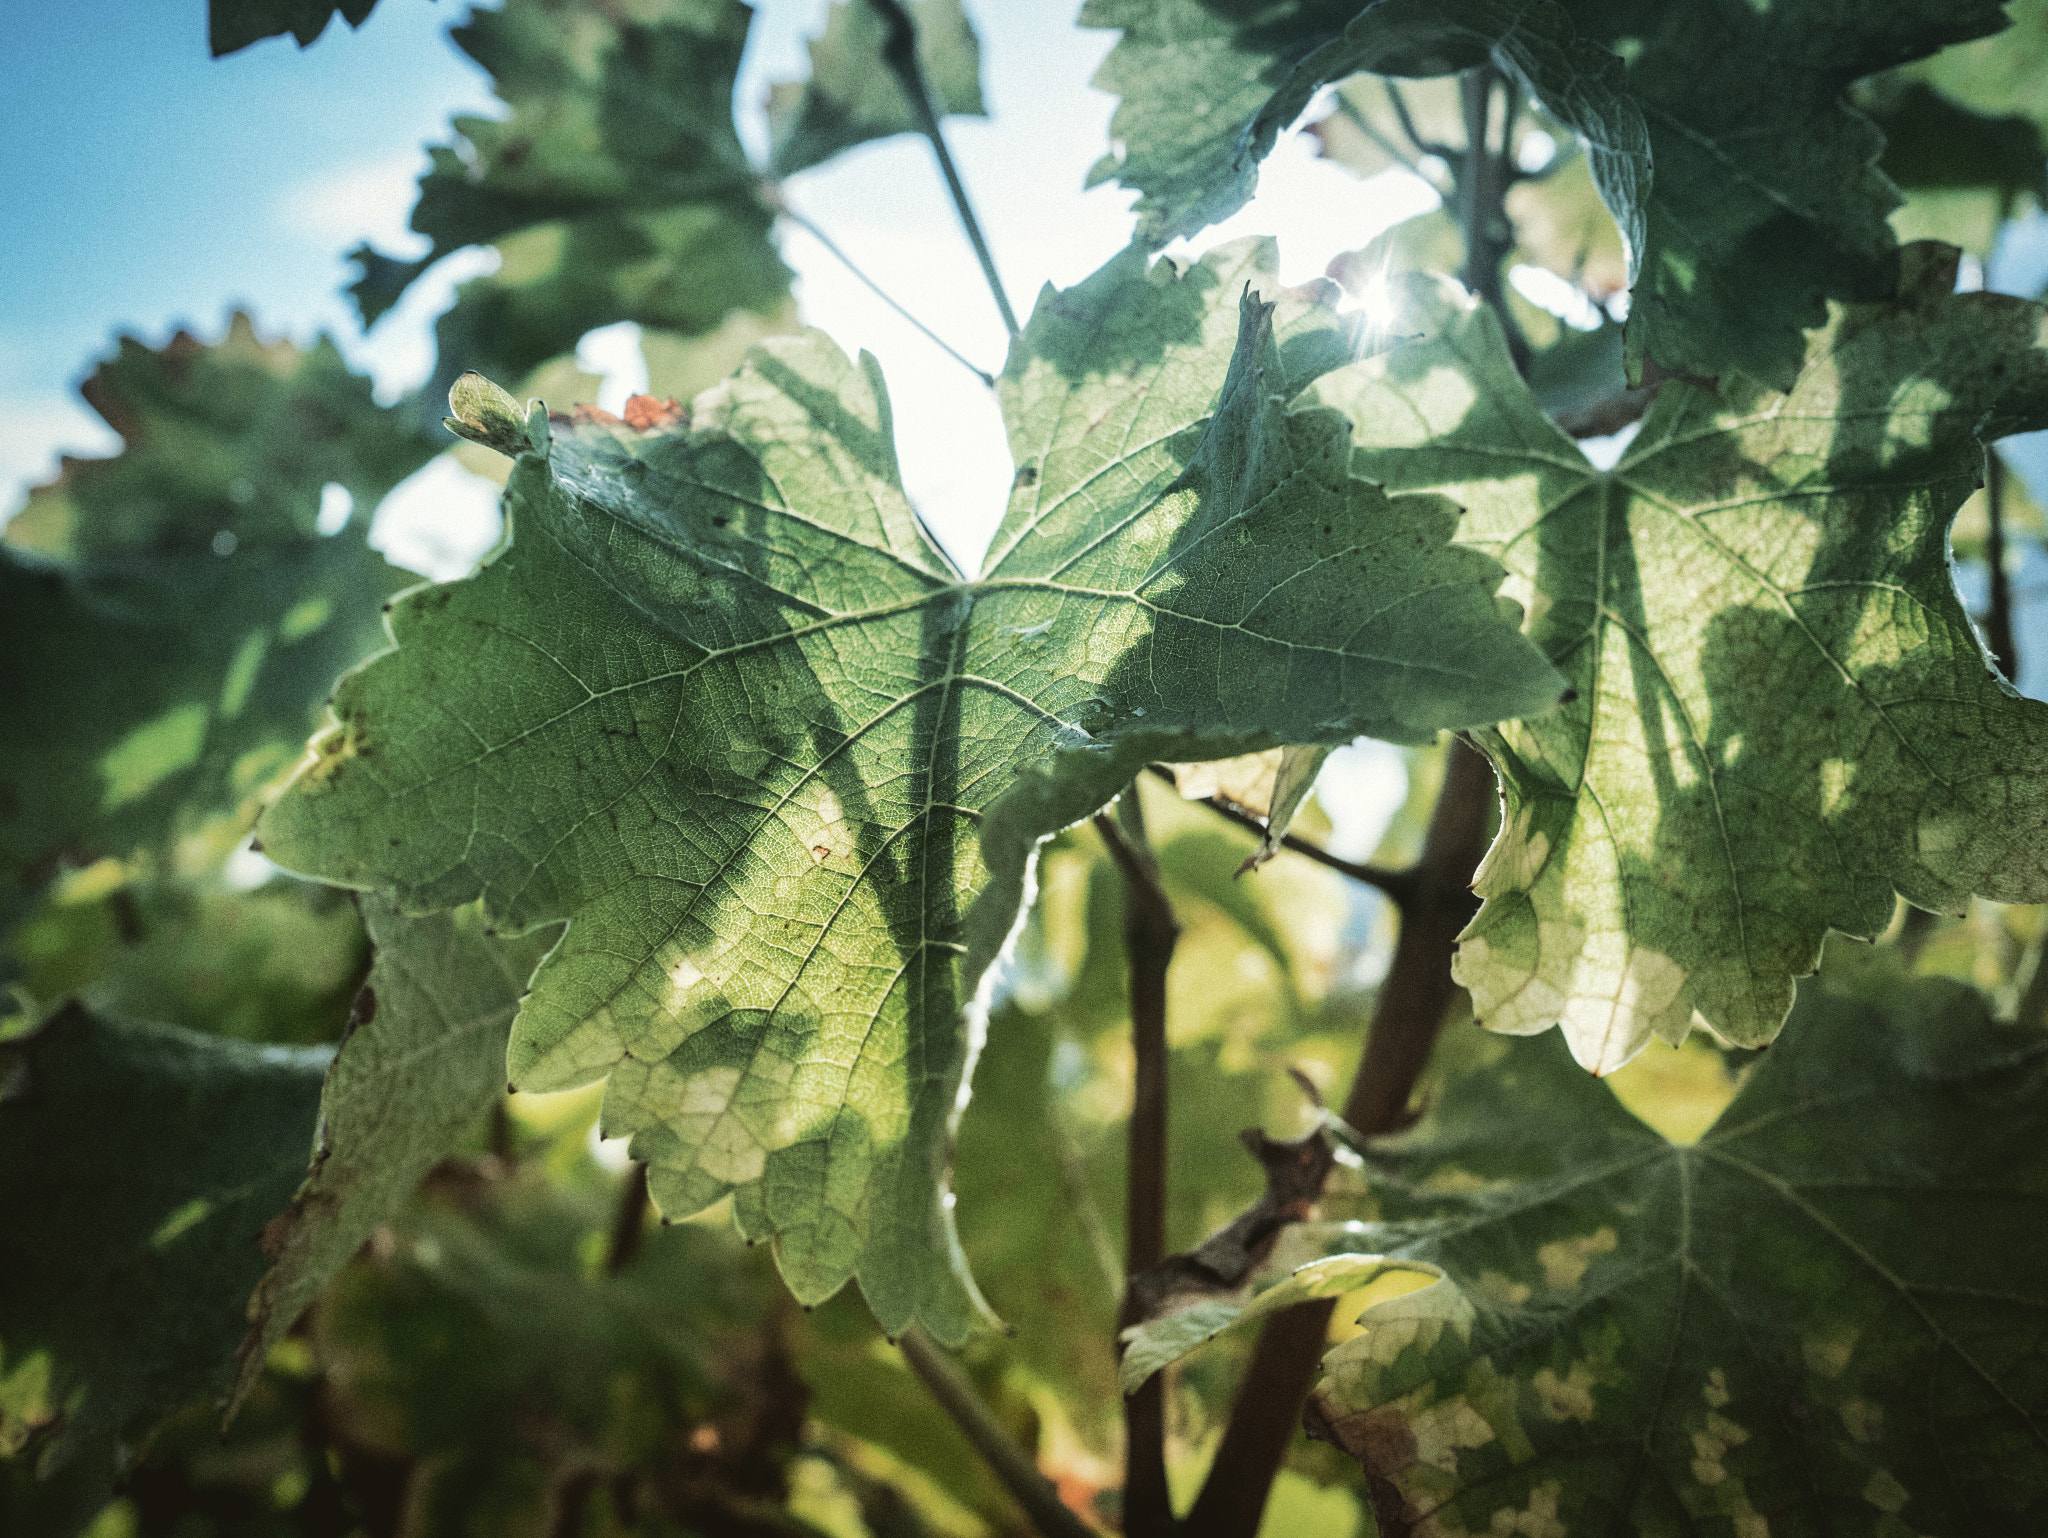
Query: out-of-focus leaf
{"points": [[1930, 143], [1793, 1323], [2000, 76], [852, 97], [482, 1339], [777, 993], [422, 1062], [1783, 715], [1578, 370], [239, 438], [235, 24], [1561, 224], [138, 1166], [278, 964], [172, 616], [615, 190]]}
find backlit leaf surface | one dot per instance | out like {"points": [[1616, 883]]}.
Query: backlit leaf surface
{"points": [[1750, 194], [172, 616], [1782, 715], [724, 706]]}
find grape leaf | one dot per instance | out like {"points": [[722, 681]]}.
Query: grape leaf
{"points": [[616, 190], [240, 437], [235, 24], [1206, 89], [477, 1346], [138, 1165], [423, 1060], [723, 705], [1766, 199], [1782, 713], [1824, 1317], [852, 97], [172, 615]]}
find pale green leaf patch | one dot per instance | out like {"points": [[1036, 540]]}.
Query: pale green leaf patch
{"points": [[722, 704]]}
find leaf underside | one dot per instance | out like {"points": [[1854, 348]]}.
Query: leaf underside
{"points": [[722, 705], [1782, 713]]}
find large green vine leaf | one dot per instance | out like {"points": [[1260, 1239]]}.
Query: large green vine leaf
{"points": [[172, 616], [616, 190], [1822, 1318], [722, 704], [1782, 713], [1765, 202], [852, 97], [422, 1061], [138, 1166]]}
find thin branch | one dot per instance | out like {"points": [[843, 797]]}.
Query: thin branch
{"points": [[899, 53], [1074, 1185], [1150, 934], [1482, 208], [1396, 884], [1406, 1018], [629, 1222], [1423, 146], [1296, 1170], [1010, 1463], [883, 294], [1370, 129], [1998, 637]]}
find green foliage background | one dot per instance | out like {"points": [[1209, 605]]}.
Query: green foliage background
{"points": [[702, 811]]}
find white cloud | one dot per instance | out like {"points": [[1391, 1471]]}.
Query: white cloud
{"points": [[439, 521], [371, 201]]}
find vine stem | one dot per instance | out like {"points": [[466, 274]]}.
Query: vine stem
{"points": [[899, 53], [1150, 934], [629, 1221], [881, 293], [1010, 1463], [1397, 885], [1406, 1019], [1998, 637]]}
